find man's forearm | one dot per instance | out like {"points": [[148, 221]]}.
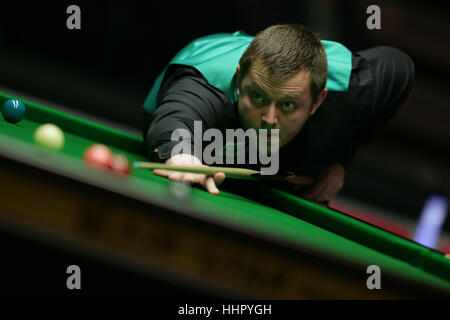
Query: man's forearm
{"points": [[185, 97]]}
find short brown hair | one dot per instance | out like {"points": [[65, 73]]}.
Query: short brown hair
{"points": [[285, 50]]}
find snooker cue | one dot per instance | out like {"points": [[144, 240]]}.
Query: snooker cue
{"points": [[233, 173]]}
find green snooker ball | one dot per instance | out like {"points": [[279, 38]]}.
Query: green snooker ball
{"points": [[50, 136], [13, 110]]}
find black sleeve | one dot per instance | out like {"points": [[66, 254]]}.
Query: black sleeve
{"points": [[184, 97], [381, 81]]}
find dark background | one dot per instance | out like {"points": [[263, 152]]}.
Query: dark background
{"points": [[105, 70]]}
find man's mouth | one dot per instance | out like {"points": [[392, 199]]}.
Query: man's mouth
{"points": [[273, 135]]}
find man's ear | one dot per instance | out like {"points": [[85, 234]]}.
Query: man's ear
{"points": [[319, 101]]}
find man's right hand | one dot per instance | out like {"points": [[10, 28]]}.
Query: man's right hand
{"points": [[210, 183]]}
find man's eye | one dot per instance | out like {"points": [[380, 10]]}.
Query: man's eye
{"points": [[255, 96], [287, 105]]}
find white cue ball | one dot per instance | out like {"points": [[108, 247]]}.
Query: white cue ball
{"points": [[50, 136]]}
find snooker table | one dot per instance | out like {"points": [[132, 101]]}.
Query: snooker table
{"points": [[260, 243]]}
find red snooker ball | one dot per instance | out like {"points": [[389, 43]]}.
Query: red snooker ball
{"points": [[99, 155], [120, 164]]}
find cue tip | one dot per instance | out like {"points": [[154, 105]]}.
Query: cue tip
{"points": [[136, 164]]}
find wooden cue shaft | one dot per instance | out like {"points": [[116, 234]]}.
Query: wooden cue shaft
{"points": [[233, 173], [237, 173]]}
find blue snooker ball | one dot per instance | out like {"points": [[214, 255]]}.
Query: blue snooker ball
{"points": [[13, 110]]}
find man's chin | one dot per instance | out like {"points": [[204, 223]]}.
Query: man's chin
{"points": [[272, 147]]}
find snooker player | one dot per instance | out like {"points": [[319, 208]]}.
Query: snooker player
{"points": [[325, 100]]}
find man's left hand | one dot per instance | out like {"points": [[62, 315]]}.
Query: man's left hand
{"points": [[329, 182]]}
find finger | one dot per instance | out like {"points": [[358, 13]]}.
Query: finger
{"points": [[314, 191], [210, 186], [161, 172], [176, 176], [193, 178], [301, 180], [323, 197], [219, 177], [327, 195]]}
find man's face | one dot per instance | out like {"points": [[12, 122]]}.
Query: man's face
{"points": [[268, 104]]}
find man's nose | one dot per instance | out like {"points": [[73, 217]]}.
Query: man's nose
{"points": [[270, 116]]}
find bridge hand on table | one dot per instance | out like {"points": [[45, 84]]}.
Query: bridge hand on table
{"points": [[210, 183]]}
